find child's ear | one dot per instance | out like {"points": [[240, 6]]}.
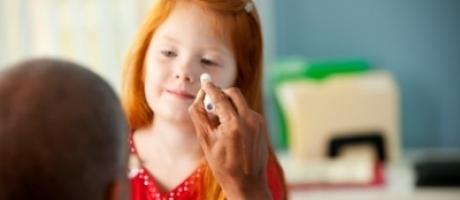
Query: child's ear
{"points": [[118, 190]]}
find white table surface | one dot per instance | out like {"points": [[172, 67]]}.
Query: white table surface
{"points": [[400, 185]]}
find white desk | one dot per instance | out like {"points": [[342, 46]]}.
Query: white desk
{"points": [[399, 186]]}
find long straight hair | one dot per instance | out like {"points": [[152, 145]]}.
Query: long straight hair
{"points": [[247, 44]]}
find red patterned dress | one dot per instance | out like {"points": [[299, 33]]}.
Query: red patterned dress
{"points": [[144, 186]]}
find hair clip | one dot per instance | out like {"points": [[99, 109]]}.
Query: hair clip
{"points": [[249, 6]]}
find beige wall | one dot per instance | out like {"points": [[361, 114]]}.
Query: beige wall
{"points": [[96, 33]]}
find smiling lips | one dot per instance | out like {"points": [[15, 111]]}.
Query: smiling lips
{"points": [[181, 94]]}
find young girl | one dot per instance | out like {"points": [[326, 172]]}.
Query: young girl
{"points": [[180, 151]]}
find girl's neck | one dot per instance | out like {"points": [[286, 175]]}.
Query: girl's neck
{"points": [[175, 140]]}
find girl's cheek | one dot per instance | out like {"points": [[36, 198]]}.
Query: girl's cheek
{"points": [[222, 76], [160, 63], [154, 76], [161, 59]]}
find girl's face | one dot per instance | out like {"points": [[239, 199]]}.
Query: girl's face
{"points": [[182, 48]]}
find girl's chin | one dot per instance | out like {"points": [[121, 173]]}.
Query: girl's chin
{"points": [[173, 111], [179, 115]]}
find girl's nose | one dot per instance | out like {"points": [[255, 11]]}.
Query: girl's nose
{"points": [[185, 77], [184, 70]]}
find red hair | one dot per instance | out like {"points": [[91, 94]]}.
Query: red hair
{"points": [[245, 36]]}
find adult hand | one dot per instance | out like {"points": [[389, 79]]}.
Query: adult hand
{"points": [[235, 143]]}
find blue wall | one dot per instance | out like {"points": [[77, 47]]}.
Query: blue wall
{"points": [[418, 40]]}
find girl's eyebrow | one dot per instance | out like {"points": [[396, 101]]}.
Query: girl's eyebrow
{"points": [[214, 48], [218, 49], [170, 39]]}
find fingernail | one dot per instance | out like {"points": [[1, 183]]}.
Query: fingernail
{"points": [[205, 78]]}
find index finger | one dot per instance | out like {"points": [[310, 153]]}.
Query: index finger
{"points": [[200, 121], [223, 107]]}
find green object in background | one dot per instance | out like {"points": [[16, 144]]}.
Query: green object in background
{"points": [[299, 68], [294, 68]]}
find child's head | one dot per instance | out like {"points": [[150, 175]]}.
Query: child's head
{"points": [[62, 133], [180, 40]]}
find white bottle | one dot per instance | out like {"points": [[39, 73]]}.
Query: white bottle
{"points": [[207, 102]]}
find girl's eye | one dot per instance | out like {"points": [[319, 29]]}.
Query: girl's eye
{"points": [[208, 62], [169, 54]]}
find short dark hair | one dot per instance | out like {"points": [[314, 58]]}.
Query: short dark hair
{"points": [[63, 134]]}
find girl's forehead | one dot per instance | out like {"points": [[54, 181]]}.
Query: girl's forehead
{"points": [[190, 18]]}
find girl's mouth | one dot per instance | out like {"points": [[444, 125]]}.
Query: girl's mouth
{"points": [[181, 94]]}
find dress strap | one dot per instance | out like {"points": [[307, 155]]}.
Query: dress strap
{"points": [[134, 164], [132, 146]]}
